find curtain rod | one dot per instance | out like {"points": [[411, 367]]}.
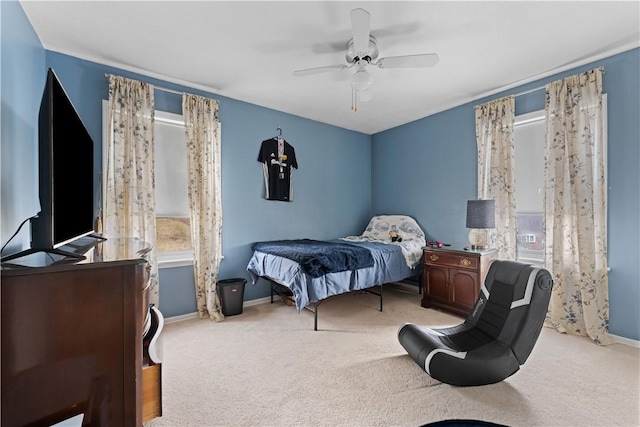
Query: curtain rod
{"points": [[164, 89], [535, 89], [525, 92]]}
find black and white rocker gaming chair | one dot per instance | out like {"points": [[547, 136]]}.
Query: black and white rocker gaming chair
{"points": [[498, 334]]}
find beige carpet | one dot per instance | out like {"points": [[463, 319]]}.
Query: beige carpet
{"points": [[268, 367]]}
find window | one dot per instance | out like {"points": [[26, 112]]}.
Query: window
{"points": [[529, 144], [529, 175], [173, 229]]}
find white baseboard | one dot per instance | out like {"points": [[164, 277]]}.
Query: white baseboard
{"points": [[256, 301], [625, 341], [180, 318], [194, 315]]}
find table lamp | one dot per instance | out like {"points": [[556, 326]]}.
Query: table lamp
{"points": [[480, 218]]}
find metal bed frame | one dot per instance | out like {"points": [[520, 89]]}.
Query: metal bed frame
{"points": [[277, 289]]}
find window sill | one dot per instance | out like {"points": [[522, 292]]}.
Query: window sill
{"points": [[176, 259]]}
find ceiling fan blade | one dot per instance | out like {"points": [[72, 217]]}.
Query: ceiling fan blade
{"points": [[318, 70], [408, 61], [360, 26]]}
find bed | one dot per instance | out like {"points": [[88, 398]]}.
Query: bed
{"points": [[309, 271]]}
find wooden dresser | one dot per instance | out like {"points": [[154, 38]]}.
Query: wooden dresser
{"points": [[72, 337], [452, 278]]}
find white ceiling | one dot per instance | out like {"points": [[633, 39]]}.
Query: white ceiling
{"points": [[248, 50]]}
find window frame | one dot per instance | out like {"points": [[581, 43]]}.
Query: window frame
{"points": [[534, 117], [165, 259], [539, 115]]}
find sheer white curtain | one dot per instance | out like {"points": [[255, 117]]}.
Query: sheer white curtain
{"points": [[576, 206], [496, 169], [202, 130], [129, 206]]}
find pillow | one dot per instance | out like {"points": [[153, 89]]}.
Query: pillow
{"points": [[407, 228]]}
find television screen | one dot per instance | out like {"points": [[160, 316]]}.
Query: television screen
{"points": [[66, 171]]}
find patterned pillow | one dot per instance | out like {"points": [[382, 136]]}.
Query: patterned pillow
{"points": [[407, 228]]}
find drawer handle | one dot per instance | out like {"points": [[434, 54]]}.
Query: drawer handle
{"points": [[433, 257], [465, 262]]}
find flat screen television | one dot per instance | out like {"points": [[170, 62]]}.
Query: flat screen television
{"points": [[65, 181]]}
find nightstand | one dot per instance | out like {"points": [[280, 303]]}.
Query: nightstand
{"points": [[452, 278]]}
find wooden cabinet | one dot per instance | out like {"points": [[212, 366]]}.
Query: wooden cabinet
{"points": [[72, 338], [452, 278]]}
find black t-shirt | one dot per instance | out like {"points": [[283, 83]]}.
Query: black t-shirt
{"points": [[278, 158]]}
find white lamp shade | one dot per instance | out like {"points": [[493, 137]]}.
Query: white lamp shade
{"points": [[361, 80], [365, 95]]}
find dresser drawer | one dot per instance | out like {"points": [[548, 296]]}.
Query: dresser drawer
{"points": [[151, 392], [451, 259]]}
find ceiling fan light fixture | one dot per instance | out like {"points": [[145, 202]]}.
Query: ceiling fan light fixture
{"points": [[362, 51], [361, 80], [365, 95]]}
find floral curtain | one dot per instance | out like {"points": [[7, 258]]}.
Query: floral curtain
{"points": [[129, 207], [575, 206], [496, 169], [202, 130]]}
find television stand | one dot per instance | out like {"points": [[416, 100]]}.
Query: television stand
{"points": [[97, 236], [76, 254], [26, 252]]}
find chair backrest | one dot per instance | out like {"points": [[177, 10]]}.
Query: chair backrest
{"points": [[512, 305]]}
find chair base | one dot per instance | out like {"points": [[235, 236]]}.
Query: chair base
{"points": [[487, 363]]}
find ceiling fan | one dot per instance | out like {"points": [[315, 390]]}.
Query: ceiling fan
{"points": [[362, 52]]}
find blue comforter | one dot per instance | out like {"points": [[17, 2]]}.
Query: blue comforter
{"points": [[318, 258], [388, 266]]}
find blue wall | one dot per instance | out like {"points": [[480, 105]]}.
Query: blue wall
{"points": [[22, 72], [428, 169], [332, 187]]}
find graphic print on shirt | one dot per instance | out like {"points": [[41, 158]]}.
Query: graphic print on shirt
{"points": [[278, 159]]}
